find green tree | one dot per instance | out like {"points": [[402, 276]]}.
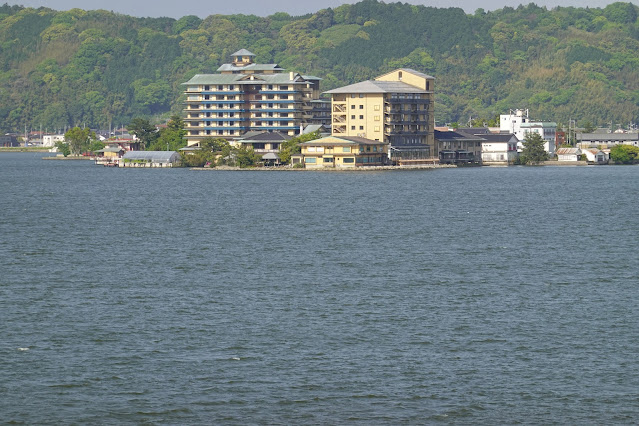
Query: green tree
{"points": [[63, 147], [589, 127], [171, 137], [245, 156], [292, 146], [533, 152], [213, 144], [143, 130], [78, 139], [624, 154], [95, 145]]}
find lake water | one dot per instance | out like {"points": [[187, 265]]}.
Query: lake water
{"points": [[172, 296]]}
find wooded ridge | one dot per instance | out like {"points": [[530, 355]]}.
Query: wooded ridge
{"points": [[100, 68]]}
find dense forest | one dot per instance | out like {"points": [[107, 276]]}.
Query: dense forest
{"points": [[98, 68]]}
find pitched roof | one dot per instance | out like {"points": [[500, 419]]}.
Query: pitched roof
{"points": [[412, 71], [348, 140], [457, 135], [264, 137], [568, 151], [373, 86], [498, 137], [242, 52], [245, 79], [253, 67], [154, 156]]}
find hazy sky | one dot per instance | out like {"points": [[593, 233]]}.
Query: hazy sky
{"points": [[204, 8]]}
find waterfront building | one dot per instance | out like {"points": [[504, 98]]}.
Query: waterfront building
{"points": [[606, 140], [518, 123], [244, 96], [595, 156], [458, 147], [9, 141], [266, 144], [568, 154], [497, 149], [343, 152], [150, 159], [395, 108]]}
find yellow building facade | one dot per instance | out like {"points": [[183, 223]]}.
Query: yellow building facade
{"points": [[343, 152], [396, 108]]}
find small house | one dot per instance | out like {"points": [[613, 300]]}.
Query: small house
{"points": [[150, 159], [568, 154], [595, 156], [343, 152]]}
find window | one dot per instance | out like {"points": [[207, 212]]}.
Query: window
{"points": [[328, 160], [353, 95], [361, 127], [361, 117], [353, 117], [352, 127], [310, 160], [376, 118], [361, 107], [376, 107], [352, 106], [231, 87], [220, 87], [376, 128], [361, 95], [346, 149], [349, 160]]}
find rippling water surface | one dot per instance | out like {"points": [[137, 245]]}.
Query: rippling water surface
{"points": [[492, 295]]}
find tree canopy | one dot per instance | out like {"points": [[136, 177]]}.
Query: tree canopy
{"points": [[533, 152], [63, 69]]}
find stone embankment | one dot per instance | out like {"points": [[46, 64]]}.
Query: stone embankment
{"points": [[328, 169]]}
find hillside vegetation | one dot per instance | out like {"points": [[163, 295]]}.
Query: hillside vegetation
{"points": [[99, 68]]}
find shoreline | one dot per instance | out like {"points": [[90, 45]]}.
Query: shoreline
{"points": [[326, 169]]}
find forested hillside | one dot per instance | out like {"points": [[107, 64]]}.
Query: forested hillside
{"points": [[99, 68]]}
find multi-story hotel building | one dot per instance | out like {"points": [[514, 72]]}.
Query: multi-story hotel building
{"points": [[396, 108], [245, 96]]}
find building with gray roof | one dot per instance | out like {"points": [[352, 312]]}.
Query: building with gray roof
{"points": [[396, 108], [244, 96]]}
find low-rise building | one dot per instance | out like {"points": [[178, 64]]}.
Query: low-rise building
{"points": [[568, 154], [49, 141], [606, 140], [458, 147], [343, 152], [9, 141], [150, 159], [595, 156]]}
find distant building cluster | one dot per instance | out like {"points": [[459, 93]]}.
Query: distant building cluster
{"points": [[388, 120]]}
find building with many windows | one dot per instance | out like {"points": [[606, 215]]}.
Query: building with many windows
{"points": [[518, 123], [396, 108], [343, 152], [245, 96]]}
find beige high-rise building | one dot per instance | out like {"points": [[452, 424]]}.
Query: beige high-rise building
{"points": [[396, 108]]}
